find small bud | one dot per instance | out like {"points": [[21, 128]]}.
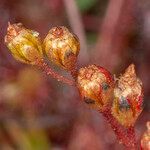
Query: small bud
{"points": [[145, 141], [24, 44], [95, 86], [128, 98], [62, 47]]}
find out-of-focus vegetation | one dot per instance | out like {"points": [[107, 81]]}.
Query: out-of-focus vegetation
{"points": [[85, 5], [39, 113]]}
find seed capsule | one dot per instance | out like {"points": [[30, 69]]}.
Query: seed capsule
{"points": [[62, 47], [95, 86], [24, 44], [128, 98]]}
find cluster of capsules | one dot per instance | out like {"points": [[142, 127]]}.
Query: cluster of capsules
{"points": [[124, 96], [96, 85], [60, 46]]}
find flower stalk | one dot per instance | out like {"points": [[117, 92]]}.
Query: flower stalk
{"points": [[126, 136], [44, 66]]}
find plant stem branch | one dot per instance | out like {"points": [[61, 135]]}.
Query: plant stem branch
{"points": [[44, 66], [74, 73], [124, 135]]}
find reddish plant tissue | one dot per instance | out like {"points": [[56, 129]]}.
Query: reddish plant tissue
{"points": [[120, 101], [124, 135], [145, 141]]}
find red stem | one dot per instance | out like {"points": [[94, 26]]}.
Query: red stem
{"points": [[124, 135], [74, 74], [132, 137], [44, 66]]}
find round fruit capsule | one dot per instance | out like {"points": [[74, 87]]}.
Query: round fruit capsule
{"points": [[24, 44], [62, 47], [128, 98], [95, 85]]}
